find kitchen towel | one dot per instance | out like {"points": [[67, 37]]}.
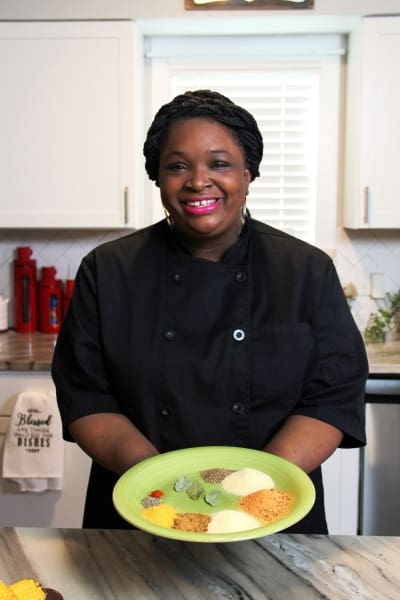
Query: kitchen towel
{"points": [[33, 455]]}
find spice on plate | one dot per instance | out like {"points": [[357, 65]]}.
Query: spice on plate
{"points": [[182, 484], [266, 505], [195, 490], [247, 480], [191, 522], [163, 515], [232, 521], [215, 475], [156, 494], [150, 501], [213, 498]]}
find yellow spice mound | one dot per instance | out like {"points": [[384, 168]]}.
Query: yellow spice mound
{"points": [[25, 589], [266, 505], [162, 514]]}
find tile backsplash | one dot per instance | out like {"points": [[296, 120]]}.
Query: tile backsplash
{"points": [[63, 249], [361, 253], [357, 254]]}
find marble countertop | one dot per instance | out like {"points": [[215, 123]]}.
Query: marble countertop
{"points": [[26, 351], [34, 351], [384, 358], [112, 564]]}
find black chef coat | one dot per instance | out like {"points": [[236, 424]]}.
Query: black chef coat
{"points": [[198, 353]]}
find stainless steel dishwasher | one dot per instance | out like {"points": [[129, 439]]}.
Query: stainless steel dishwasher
{"points": [[380, 460]]}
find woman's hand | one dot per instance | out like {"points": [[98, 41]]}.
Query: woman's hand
{"points": [[305, 441], [112, 441]]}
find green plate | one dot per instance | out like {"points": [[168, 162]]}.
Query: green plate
{"points": [[161, 472]]}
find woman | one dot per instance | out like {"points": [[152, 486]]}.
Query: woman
{"points": [[207, 328]]}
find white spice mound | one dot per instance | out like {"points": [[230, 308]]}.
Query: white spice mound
{"points": [[246, 481], [229, 521]]}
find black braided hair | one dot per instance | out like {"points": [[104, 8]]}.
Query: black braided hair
{"points": [[212, 105]]}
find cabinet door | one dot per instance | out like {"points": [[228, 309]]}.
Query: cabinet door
{"points": [[373, 126], [67, 124], [341, 476]]}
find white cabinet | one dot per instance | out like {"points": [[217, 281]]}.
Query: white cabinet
{"points": [[69, 121], [341, 476], [372, 158]]}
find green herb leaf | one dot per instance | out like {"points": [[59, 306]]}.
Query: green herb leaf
{"points": [[213, 498], [182, 484], [195, 490]]}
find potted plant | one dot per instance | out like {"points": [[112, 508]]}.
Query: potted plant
{"points": [[385, 321]]}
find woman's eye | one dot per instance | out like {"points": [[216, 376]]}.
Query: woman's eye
{"points": [[220, 164], [176, 166]]}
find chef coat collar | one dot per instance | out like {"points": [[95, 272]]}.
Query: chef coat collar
{"points": [[235, 254]]}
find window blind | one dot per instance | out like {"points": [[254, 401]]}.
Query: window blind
{"points": [[285, 104]]}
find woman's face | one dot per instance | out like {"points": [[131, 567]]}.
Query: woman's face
{"points": [[203, 179]]}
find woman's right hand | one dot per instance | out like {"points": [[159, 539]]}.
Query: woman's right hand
{"points": [[112, 441]]}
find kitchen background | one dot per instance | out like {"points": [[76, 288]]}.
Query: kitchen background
{"points": [[357, 253]]}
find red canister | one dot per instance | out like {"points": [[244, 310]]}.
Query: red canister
{"points": [[68, 289], [25, 291], [50, 301]]}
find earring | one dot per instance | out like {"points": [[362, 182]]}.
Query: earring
{"points": [[168, 218], [244, 212]]}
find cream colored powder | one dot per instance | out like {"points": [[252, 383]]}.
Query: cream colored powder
{"points": [[246, 481], [229, 521]]}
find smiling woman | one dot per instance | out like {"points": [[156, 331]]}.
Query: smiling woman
{"points": [[243, 4], [209, 328]]}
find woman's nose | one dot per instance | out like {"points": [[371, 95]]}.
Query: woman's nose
{"points": [[198, 178]]}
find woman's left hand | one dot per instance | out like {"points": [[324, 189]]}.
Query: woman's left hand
{"points": [[305, 441]]}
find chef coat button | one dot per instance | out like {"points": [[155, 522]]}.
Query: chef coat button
{"points": [[165, 411], [238, 335], [177, 277], [169, 335], [237, 408], [241, 276]]}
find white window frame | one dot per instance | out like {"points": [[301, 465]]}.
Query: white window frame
{"points": [[329, 66]]}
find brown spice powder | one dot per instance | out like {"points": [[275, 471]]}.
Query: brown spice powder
{"points": [[215, 475], [266, 505], [191, 522]]}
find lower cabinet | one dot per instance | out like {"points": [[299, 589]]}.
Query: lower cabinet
{"points": [[62, 508], [341, 475]]}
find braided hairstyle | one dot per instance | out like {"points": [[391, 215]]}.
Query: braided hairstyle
{"points": [[211, 105]]}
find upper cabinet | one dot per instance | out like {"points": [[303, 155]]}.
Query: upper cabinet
{"points": [[372, 158], [68, 122]]}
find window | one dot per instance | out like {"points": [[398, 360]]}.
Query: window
{"points": [[295, 98]]}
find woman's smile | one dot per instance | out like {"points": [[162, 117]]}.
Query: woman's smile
{"points": [[200, 205]]}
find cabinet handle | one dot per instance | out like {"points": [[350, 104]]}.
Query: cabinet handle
{"points": [[366, 205], [126, 205]]}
